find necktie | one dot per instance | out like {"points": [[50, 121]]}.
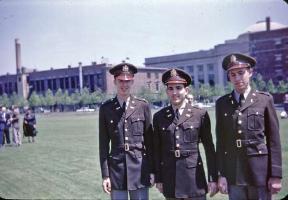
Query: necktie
{"points": [[177, 114], [241, 100], [124, 106]]}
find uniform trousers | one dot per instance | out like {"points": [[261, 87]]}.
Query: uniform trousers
{"points": [[139, 194], [16, 136], [237, 192]]}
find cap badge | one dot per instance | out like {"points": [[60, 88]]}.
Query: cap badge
{"points": [[233, 59], [173, 72], [125, 68]]}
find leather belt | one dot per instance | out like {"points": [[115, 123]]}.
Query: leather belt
{"points": [[178, 153], [240, 143], [128, 147]]}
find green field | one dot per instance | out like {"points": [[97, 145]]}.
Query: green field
{"points": [[64, 161]]}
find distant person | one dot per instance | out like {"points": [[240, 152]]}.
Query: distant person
{"points": [[247, 133], [15, 126], [2, 126], [178, 129], [7, 117], [125, 140], [29, 124], [190, 99]]}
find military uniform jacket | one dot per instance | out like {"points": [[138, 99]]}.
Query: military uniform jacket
{"points": [[128, 162], [181, 171], [250, 132]]}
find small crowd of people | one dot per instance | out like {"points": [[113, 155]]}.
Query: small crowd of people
{"points": [[138, 151], [10, 121]]}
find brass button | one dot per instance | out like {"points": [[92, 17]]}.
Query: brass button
{"points": [[177, 127], [177, 136], [239, 131], [126, 138], [177, 145], [126, 129], [239, 122]]}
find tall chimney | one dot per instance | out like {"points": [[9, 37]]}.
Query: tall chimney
{"points": [[18, 56], [267, 23], [80, 77]]}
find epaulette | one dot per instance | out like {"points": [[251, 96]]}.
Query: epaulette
{"points": [[197, 107], [262, 92], [141, 99], [107, 101]]}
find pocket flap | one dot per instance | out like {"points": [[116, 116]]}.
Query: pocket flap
{"points": [[256, 111], [137, 118], [257, 149], [190, 125]]}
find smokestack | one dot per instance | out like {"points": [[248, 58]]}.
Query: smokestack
{"points": [[80, 77], [267, 23], [18, 56]]}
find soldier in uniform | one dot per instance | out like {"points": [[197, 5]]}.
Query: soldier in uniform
{"points": [[247, 130], [178, 129], [125, 140]]}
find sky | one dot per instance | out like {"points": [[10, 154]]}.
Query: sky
{"points": [[58, 33]]}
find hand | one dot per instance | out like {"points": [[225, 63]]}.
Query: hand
{"points": [[274, 185], [222, 185], [212, 188], [152, 180], [106, 184], [159, 186]]}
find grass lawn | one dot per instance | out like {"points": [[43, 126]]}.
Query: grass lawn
{"points": [[64, 161]]}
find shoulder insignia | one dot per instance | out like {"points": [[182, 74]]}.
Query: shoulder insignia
{"points": [[262, 92], [107, 101], [140, 99]]}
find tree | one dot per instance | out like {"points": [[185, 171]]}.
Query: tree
{"points": [[85, 96], [205, 91], [5, 100], [260, 83], [229, 87], [97, 96], [271, 87], [49, 98], [282, 87], [34, 100], [218, 91]]}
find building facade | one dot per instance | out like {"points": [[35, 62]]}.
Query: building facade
{"points": [[264, 40]]}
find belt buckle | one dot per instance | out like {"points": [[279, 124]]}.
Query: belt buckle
{"points": [[126, 147], [238, 143], [177, 153]]}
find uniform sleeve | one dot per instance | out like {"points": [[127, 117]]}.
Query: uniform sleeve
{"points": [[148, 136], [103, 144], [273, 140], [157, 150], [219, 141], [207, 140]]}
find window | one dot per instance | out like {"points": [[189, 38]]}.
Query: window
{"points": [[211, 79], [278, 57], [156, 75], [149, 84], [201, 78], [157, 86], [210, 68], [148, 75], [62, 83], [278, 41], [200, 68], [190, 68]]}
